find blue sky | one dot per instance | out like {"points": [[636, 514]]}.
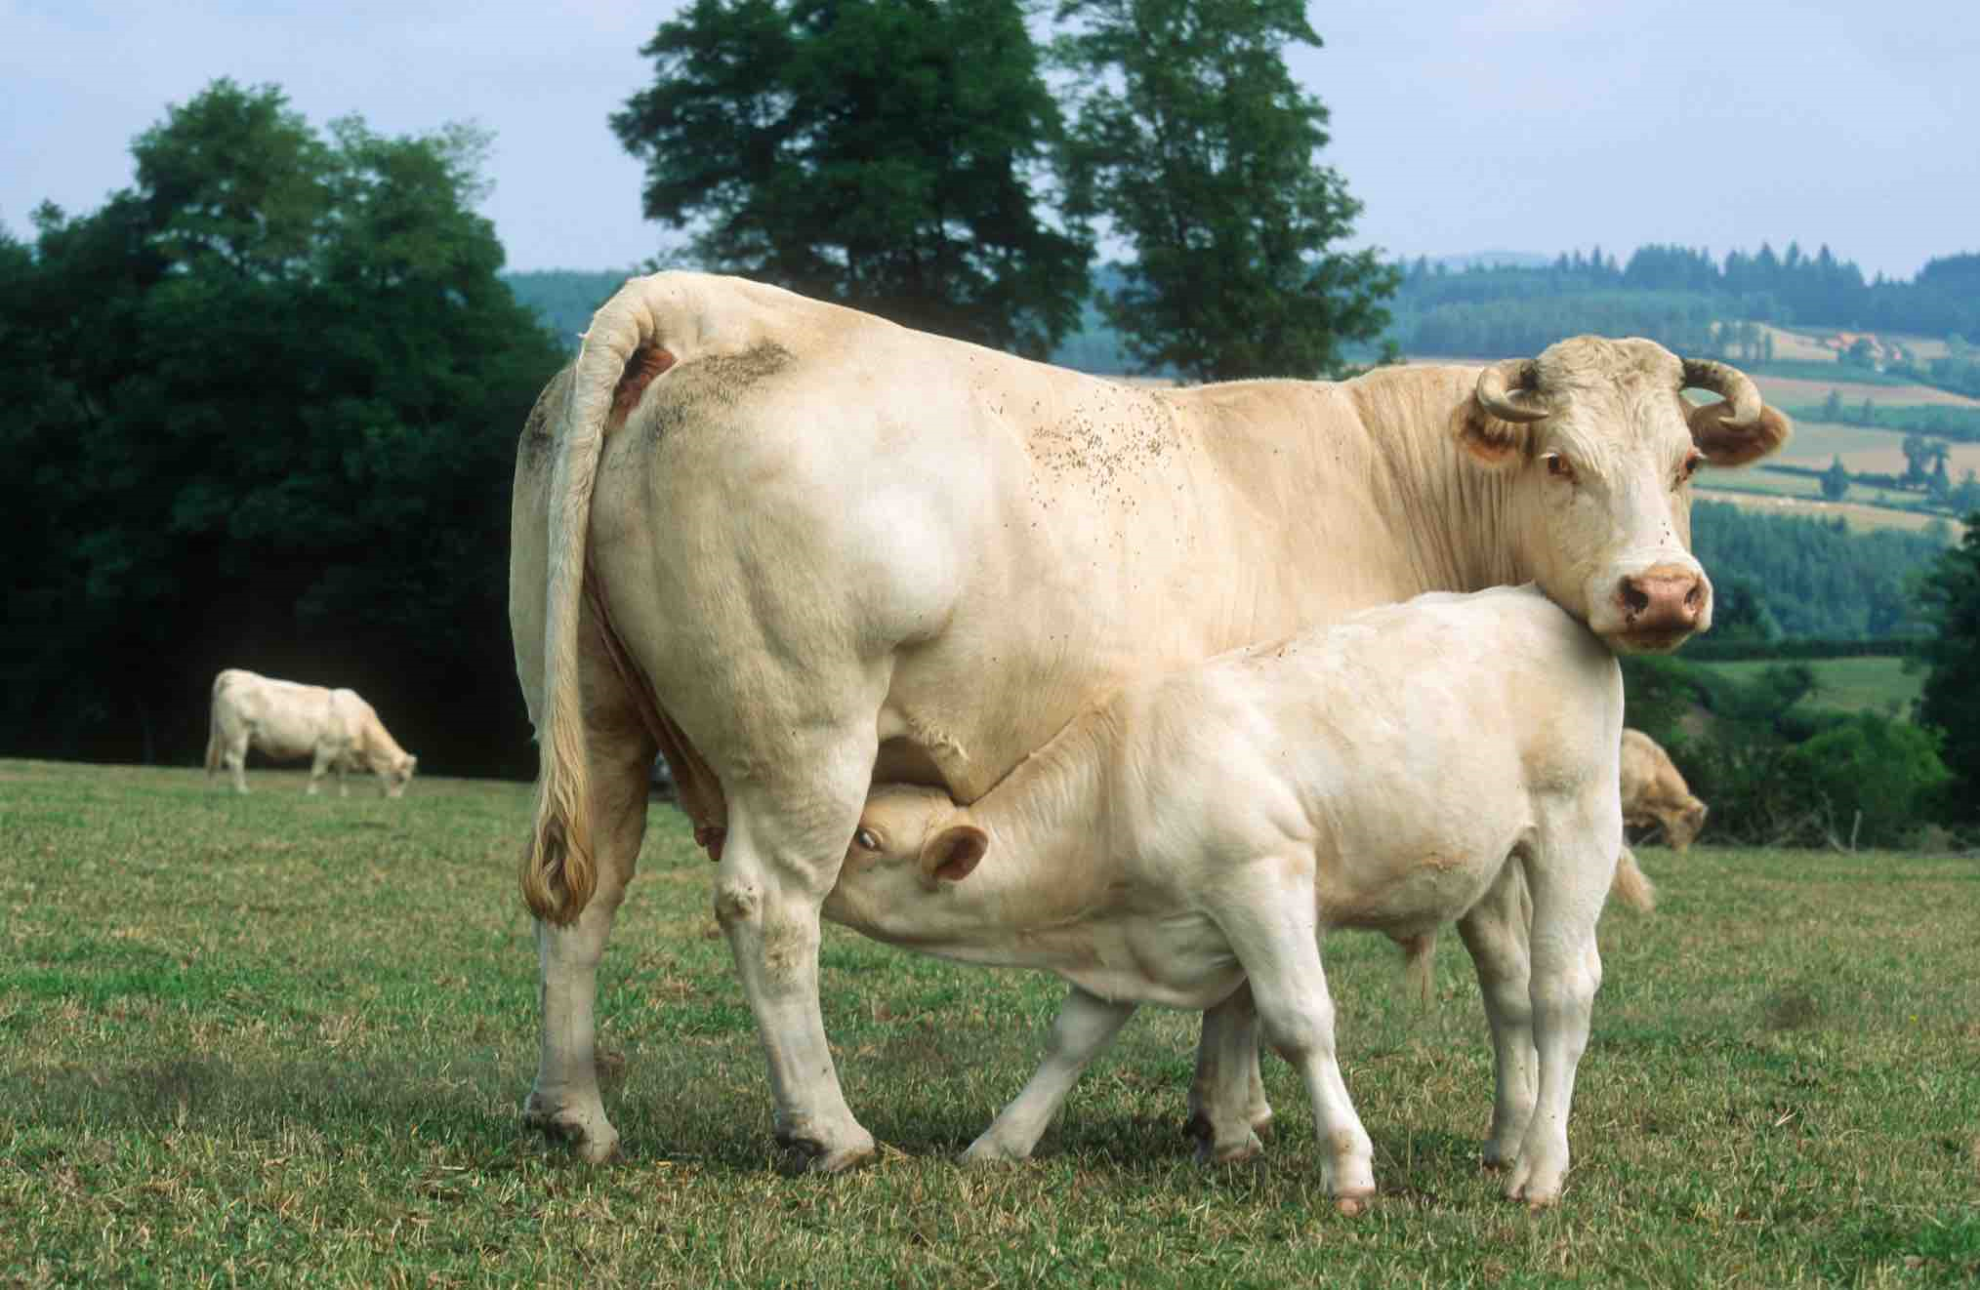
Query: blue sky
{"points": [[1522, 125]]}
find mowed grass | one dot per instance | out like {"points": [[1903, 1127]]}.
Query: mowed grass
{"points": [[1880, 685], [274, 1040]]}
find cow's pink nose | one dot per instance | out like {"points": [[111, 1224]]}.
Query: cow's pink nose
{"points": [[1664, 599]]}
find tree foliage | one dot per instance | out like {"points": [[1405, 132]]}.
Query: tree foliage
{"points": [[271, 393], [885, 154], [1197, 148], [1950, 599]]}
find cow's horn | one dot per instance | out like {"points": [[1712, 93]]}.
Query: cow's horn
{"points": [[1508, 390], [1730, 384]]}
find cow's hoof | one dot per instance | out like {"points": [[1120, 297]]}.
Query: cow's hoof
{"points": [[594, 1142], [1354, 1206], [1229, 1152], [1539, 1189], [829, 1158]]}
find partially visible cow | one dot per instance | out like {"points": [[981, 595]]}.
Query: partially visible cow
{"points": [[799, 549], [336, 729], [1654, 793], [1448, 759]]}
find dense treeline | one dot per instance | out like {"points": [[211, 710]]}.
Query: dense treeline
{"points": [[1674, 294], [1813, 577], [264, 404]]}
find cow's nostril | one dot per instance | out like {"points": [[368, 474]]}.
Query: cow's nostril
{"points": [[1635, 599], [1695, 597]]}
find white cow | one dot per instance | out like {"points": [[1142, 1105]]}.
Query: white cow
{"points": [[800, 550], [1418, 764], [287, 722]]}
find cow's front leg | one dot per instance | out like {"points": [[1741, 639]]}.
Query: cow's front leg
{"points": [[564, 1101], [1227, 1106], [236, 762], [1081, 1032], [319, 764]]}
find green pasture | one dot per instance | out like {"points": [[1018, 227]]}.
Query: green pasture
{"points": [[1878, 685], [277, 1041]]}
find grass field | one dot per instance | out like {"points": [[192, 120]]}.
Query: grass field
{"points": [[275, 1040], [1847, 684]]}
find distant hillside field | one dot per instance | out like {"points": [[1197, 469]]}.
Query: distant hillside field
{"points": [[1846, 684], [1751, 492], [1800, 391]]}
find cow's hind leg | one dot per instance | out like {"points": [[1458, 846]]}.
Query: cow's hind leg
{"points": [[787, 838], [1227, 1106], [1081, 1032], [1495, 933], [564, 1100]]}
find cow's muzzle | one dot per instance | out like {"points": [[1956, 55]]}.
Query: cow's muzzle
{"points": [[1662, 606]]}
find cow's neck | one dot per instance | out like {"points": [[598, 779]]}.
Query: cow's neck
{"points": [[1451, 517]]}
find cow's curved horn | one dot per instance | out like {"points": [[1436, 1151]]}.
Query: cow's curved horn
{"points": [[1509, 390], [1730, 384]]}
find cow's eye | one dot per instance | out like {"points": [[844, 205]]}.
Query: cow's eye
{"points": [[866, 841], [1558, 467], [1689, 466]]}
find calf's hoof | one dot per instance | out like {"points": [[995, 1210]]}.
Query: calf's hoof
{"points": [[595, 1142], [1539, 1189], [986, 1152], [1354, 1206], [1231, 1151]]}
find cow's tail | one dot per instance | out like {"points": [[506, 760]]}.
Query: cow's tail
{"points": [[1630, 885], [213, 729], [622, 350]]}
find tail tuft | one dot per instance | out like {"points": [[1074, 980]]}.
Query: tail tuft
{"points": [[1631, 886]]}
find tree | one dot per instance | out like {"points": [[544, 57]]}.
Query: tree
{"points": [[1197, 149], [879, 153], [1832, 409], [1949, 600], [1835, 480], [276, 431]]}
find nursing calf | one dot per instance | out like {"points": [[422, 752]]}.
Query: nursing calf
{"points": [[1443, 760], [285, 721]]}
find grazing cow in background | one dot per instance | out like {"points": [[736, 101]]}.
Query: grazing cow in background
{"points": [[1654, 793], [1448, 759], [800, 550], [288, 722]]}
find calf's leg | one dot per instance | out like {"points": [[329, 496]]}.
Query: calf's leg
{"points": [[1495, 933], [320, 763], [1086, 1024], [1568, 888], [1269, 914]]}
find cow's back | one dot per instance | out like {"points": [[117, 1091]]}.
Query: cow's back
{"points": [[1020, 539]]}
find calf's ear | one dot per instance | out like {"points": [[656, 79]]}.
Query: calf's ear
{"points": [[952, 854], [1736, 445]]}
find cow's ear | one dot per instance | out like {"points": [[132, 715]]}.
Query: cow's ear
{"points": [[1490, 440], [1725, 445], [951, 855]]}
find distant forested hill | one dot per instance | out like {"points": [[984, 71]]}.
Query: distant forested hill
{"points": [[565, 298], [1813, 578]]}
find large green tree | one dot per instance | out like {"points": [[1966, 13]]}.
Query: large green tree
{"points": [[277, 386], [1950, 596], [1195, 147], [886, 154]]}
